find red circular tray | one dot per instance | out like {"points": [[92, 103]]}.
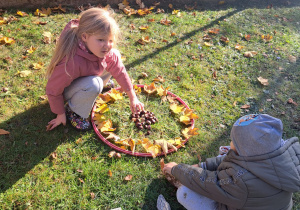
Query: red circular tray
{"points": [[130, 152]]}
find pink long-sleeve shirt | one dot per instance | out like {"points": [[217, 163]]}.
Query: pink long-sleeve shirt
{"points": [[84, 64]]}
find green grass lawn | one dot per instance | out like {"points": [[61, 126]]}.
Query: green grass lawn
{"points": [[66, 169]]}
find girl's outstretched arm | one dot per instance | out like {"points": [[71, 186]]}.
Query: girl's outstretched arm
{"points": [[60, 119], [135, 104]]}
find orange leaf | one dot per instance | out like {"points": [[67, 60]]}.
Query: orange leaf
{"points": [[247, 37], [125, 2], [109, 173], [151, 20], [214, 31], [150, 88], [171, 6], [3, 132], [165, 22], [189, 132], [162, 164], [128, 177]]}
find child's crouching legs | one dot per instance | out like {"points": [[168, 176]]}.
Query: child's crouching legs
{"points": [[192, 200], [82, 93]]}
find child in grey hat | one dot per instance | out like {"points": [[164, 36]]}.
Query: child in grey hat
{"points": [[260, 171]]}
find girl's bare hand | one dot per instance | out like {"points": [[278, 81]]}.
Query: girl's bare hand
{"points": [[60, 119]]}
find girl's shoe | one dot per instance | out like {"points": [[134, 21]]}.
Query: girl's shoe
{"points": [[79, 123]]}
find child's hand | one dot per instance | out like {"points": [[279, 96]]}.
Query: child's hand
{"points": [[136, 105], [168, 167], [60, 119]]}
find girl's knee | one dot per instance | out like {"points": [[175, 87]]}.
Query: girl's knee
{"points": [[95, 85]]}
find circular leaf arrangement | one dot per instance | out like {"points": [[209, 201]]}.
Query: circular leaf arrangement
{"points": [[141, 124]]}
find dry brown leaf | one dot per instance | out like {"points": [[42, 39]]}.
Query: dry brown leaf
{"points": [[263, 81], [291, 101], [81, 180], [292, 59], [111, 154], [128, 177], [92, 195], [53, 156], [3, 132], [250, 54], [246, 106], [159, 79], [162, 164]]}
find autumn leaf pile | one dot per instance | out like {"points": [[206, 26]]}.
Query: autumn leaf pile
{"points": [[154, 146]]}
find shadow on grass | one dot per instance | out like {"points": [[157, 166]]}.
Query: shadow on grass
{"points": [[28, 144]]}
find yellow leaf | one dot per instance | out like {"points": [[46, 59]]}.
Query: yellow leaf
{"points": [[150, 88], [47, 37], [207, 44], [106, 126], [189, 132], [154, 150], [78, 141], [24, 73], [143, 28], [98, 118], [267, 37], [161, 91], [263, 81], [3, 132], [115, 94], [239, 47], [172, 99], [22, 14], [176, 108], [137, 89], [37, 66], [165, 145], [123, 142], [102, 108], [175, 12], [103, 99], [31, 50]]}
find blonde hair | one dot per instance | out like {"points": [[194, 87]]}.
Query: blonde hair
{"points": [[91, 21]]}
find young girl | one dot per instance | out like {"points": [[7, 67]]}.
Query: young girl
{"points": [[83, 62]]}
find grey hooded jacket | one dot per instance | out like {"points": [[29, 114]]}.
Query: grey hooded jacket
{"points": [[263, 182]]}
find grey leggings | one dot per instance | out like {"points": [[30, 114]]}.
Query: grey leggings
{"points": [[82, 93]]}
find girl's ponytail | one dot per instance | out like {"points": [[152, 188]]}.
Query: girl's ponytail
{"points": [[65, 48]]}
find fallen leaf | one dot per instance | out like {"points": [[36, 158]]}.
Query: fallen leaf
{"points": [[165, 22], [263, 81], [37, 66], [150, 88], [31, 50], [128, 177], [3, 132], [115, 94], [112, 136], [247, 37], [162, 164], [111, 154], [81, 180], [106, 126], [238, 47], [109, 173], [103, 98], [92, 195], [207, 44], [79, 140], [291, 101], [143, 28], [173, 34], [24, 73], [176, 108], [189, 132], [250, 54], [170, 6], [161, 91], [164, 145], [206, 37], [246, 106], [47, 37], [151, 20], [159, 79], [224, 39], [22, 14], [53, 156], [267, 37], [79, 171], [102, 108], [292, 59], [214, 31], [221, 2], [98, 118], [6, 41]]}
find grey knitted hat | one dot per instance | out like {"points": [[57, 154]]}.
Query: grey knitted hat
{"points": [[256, 134]]}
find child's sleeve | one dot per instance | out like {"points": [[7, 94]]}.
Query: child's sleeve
{"points": [[211, 163], [117, 69], [216, 185]]}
